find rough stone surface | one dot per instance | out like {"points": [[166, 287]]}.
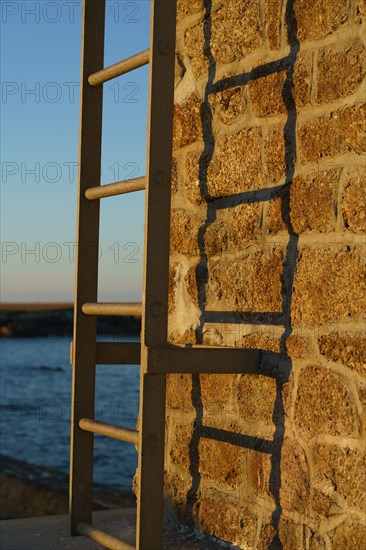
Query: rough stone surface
{"points": [[316, 18], [302, 79], [346, 349], [171, 289], [271, 87], [188, 7], [228, 105], [335, 415], [296, 346], [236, 164], [340, 71], [252, 283], [295, 481], [232, 229], [184, 233], [312, 205], [329, 285], [220, 461], [216, 389], [192, 187], [194, 40], [274, 153], [361, 7], [272, 23], [187, 122], [354, 203], [179, 391], [291, 535], [250, 391], [176, 487], [180, 447], [340, 132], [228, 41], [350, 534], [231, 522], [341, 472]]}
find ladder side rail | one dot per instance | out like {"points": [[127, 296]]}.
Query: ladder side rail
{"points": [[86, 276], [150, 503]]}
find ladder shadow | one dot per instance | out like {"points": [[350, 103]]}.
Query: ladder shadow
{"points": [[283, 317]]}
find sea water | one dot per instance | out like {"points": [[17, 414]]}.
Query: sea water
{"points": [[35, 395]]}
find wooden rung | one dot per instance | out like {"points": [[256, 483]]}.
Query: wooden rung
{"points": [[106, 540], [120, 68], [118, 353], [115, 353], [109, 430], [111, 309], [113, 189]]}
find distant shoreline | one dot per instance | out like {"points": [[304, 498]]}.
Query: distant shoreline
{"points": [[37, 306], [26, 320]]}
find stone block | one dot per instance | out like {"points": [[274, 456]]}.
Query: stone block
{"points": [[179, 391], [323, 404], [248, 284], [220, 461], [252, 406], [232, 229], [312, 205], [228, 105], [319, 18], [290, 535], [236, 164], [350, 534], [354, 202], [341, 471], [361, 7], [184, 233], [265, 94], [272, 23], [337, 133], [188, 7], [216, 389], [348, 349], [179, 446], [329, 285], [296, 346], [194, 41], [274, 153], [176, 488], [187, 122], [302, 79], [340, 70], [295, 480], [195, 165], [227, 519], [228, 41]]}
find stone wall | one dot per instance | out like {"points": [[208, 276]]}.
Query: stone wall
{"points": [[267, 251]]}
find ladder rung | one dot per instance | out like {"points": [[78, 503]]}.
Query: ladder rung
{"points": [[126, 309], [115, 353], [108, 541], [118, 353], [118, 188], [109, 430], [122, 67]]}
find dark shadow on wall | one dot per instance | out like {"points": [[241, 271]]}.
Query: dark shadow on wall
{"points": [[282, 370]]}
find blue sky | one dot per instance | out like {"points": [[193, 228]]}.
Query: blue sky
{"points": [[40, 64]]}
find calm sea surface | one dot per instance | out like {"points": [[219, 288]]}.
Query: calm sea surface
{"points": [[35, 392]]}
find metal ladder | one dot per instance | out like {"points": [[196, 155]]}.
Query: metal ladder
{"points": [[156, 356]]}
